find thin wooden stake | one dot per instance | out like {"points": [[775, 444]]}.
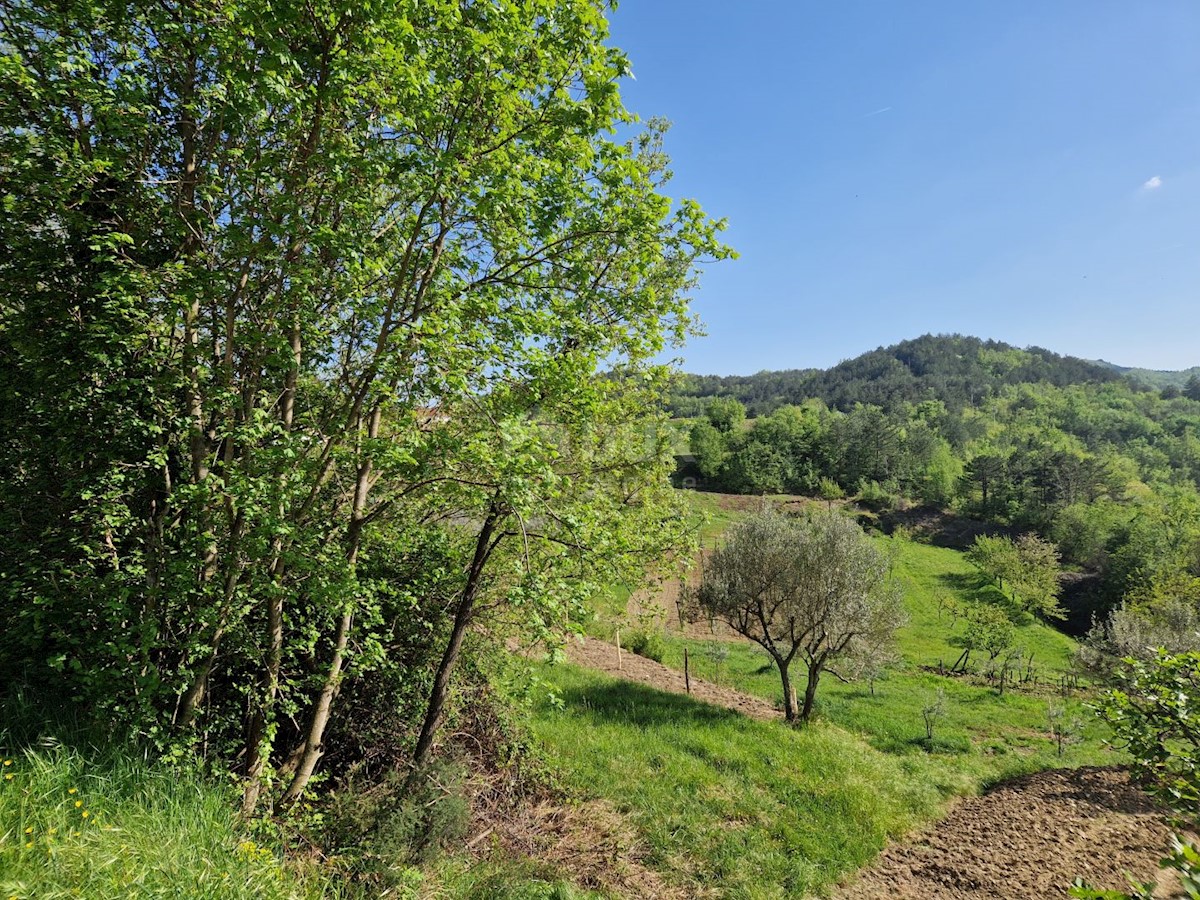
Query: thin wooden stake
{"points": [[620, 664], [687, 677]]}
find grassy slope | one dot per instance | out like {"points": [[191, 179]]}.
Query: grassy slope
{"points": [[992, 736], [753, 809], [759, 810]]}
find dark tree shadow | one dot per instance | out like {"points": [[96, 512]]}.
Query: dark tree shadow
{"points": [[636, 704], [977, 587]]}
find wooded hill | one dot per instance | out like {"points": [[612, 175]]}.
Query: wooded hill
{"points": [[959, 371], [1025, 440], [1156, 378]]}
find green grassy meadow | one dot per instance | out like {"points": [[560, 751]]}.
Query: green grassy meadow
{"points": [[760, 809]]}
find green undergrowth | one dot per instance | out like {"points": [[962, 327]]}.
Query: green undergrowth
{"points": [[99, 821], [103, 823], [463, 878]]}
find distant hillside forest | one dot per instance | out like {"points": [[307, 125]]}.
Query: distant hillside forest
{"points": [[959, 371], [1029, 440], [1159, 378]]}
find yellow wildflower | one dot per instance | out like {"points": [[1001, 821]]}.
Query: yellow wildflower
{"points": [[29, 831], [70, 790], [8, 777], [8, 762], [85, 813], [78, 803]]}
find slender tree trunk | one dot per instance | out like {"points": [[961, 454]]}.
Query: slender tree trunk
{"points": [[256, 753], [436, 705], [313, 748], [810, 691], [310, 752], [789, 689]]}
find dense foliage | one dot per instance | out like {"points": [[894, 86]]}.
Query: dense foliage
{"points": [[1106, 471], [960, 371], [303, 309]]}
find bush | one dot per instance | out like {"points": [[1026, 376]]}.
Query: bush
{"points": [[649, 644], [877, 497], [1152, 711], [386, 827]]}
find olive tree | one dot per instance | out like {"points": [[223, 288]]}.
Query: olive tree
{"points": [[1162, 615], [816, 589]]}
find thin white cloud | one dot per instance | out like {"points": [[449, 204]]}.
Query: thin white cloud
{"points": [[1152, 184], [877, 112]]}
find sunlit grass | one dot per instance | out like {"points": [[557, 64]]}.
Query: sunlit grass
{"points": [[999, 735], [748, 808], [109, 825], [758, 809]]}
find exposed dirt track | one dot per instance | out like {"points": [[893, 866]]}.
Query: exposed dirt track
{"points": [[601, 656], [1027, 838]]}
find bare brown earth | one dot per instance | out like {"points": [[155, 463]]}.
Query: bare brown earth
{"points": [[1027, 838]]}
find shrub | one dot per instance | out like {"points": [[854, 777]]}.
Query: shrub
{"points": [[1153, 711], [647, 643], [386, 827]]}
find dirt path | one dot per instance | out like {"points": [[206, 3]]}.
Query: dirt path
{"points": [[1028, 838], [602, 656]]}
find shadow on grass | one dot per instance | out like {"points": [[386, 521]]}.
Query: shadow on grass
{"points": [[40, 718], [636, 704], [977, 587]]}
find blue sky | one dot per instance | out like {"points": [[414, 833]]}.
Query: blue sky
{"points": [[1026, 171]]}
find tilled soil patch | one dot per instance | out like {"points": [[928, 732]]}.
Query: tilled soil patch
{"points": [[1027, 838]]}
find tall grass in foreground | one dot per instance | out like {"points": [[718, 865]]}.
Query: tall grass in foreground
{"points": [[84, 816], [108, 825]]}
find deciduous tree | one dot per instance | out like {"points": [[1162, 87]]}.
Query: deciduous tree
{"points": [[281, 281]]}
